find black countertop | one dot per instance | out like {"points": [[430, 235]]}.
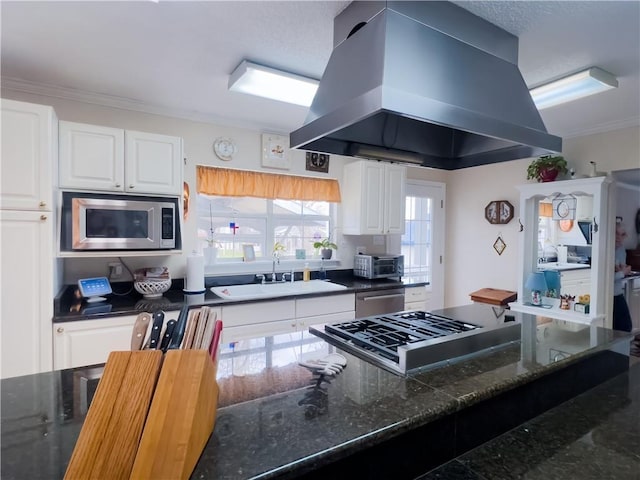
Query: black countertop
{"points": [[127, 301], [275, 421]]}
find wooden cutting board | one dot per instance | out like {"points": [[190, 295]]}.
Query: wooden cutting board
{"points": [[494, 296]]}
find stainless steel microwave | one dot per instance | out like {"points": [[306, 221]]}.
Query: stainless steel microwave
{"points": [[92, 221]]}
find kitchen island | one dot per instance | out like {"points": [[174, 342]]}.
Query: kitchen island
{"points": [[275, 420]]}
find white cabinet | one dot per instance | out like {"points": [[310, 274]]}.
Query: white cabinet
{"points": [[114, 160], [258, 319], [415, 298], [30, 276], [373, 200], [27, 292], [29, 143], [88, 342], [575, 282], [598, 280]]}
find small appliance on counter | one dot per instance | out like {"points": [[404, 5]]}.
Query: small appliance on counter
{"points": [[378, 265]]}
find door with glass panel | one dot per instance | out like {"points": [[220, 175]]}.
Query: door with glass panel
{"points": [[423, 241]]}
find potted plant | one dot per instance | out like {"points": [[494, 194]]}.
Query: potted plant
{"points": [[326, 246], [546, 168]]}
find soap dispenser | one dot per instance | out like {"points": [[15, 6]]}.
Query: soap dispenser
{"points": [[306, 274]]}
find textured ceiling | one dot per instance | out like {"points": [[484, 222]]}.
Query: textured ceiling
{"points": [[175, 57]]}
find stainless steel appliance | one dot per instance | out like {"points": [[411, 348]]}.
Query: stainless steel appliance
{"points": [[377, 302], [406, 341], [450, 112], [92, 221], [378, 265]]}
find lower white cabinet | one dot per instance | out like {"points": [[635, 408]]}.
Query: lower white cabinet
{"points": [[28, 284], [253, 320], [575, 282], [87, 342], [415, 298]]}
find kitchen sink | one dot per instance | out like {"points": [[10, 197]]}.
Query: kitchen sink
{"points": [[280, 289]]}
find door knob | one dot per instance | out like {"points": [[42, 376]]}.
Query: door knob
{"points": [[60, 330], [43, 204], [131, 186], [117, 185], [43, 217]]}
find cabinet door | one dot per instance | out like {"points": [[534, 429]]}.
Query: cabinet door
{"points": [[153, 163], [373, 201], [87, 342], [27, 292], [28, 150], [91, 157], [395, 182]]}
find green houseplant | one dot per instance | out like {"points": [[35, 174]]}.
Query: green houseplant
{"points": [[326, 246], [546, 168]]}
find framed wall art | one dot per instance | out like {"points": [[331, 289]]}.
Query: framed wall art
{"points": [[275, 152], [317, 162]]}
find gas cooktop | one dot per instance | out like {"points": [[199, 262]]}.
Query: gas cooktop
{"points": [[406, 341]]}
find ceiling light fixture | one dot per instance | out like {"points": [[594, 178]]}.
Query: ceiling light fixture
{"points": [[581, 84], [268, 82]]}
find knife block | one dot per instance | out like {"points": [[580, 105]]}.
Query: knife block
{"points": [[150, 417]]}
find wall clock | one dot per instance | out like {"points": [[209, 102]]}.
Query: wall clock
{"points": [[224, 148], [498, 212], [564, 208]]}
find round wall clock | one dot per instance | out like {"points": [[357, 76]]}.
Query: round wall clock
{"points": [[498, 212], [224, 148]]}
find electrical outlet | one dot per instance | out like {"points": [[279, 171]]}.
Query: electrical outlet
{"points": [[115, 270]]}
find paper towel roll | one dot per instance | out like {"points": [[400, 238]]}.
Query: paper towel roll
{"points": [[194, 280], [562, 254]]}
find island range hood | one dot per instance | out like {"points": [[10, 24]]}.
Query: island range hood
{"points": [[426, 83]]}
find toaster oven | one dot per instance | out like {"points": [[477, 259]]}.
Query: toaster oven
{"points": [[382, 265]]}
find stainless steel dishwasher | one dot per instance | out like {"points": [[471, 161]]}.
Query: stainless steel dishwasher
{"points": [[379, 301]]}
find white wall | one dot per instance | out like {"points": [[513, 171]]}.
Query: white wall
{"points": [[471, 262]]}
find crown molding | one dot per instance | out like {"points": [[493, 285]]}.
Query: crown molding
{"points": [[604, 127], [122, 103]]}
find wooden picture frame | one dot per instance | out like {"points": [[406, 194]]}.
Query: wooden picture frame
{"points": [[275, 151]]}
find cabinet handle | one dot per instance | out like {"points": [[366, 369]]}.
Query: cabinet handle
{"points": [[131, 186], [60, 330], [43, 217], [43, 204], [117, 185]]}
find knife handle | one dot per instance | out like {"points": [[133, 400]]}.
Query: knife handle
{"points": [[158, 320], [168, 332], [178, 331], [140, 328]]}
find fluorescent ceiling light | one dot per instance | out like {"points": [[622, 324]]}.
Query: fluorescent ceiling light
{"points": [[567, 89], [271, 83]]}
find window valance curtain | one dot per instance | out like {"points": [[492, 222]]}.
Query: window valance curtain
{"points": [[242, 183]]}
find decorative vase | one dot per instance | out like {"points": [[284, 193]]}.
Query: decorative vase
{"points": [[548, 174], [326, 253], [210, 255]]}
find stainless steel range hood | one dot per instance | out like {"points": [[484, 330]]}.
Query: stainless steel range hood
{"points": [[426, 83]]}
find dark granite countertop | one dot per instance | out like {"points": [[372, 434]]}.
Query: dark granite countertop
{"points": [[276, 421], [127, 301]]}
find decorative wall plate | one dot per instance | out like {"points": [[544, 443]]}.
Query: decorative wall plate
{"points": [[565, 225], [499, 245]]}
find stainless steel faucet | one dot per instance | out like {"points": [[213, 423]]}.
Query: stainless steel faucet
{"points": [[260, 277], [273, 270], [284, 276]]}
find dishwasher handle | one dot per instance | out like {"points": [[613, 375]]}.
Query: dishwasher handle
{"points": [[382, 297]]}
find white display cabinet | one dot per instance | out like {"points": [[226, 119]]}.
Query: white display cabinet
{"points": [[600, 277]]}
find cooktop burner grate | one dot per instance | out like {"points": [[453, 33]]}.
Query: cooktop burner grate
{"points": [[384, 334]]}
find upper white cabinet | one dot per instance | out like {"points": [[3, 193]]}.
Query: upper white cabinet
{"points": [[373, 198], [114, 160], [597, 280], [29, 143]]}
